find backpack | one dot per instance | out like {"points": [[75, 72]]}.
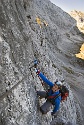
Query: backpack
{"points": [[64, 92]]}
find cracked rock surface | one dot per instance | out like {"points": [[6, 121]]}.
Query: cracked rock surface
{"points": [[23, 39]]}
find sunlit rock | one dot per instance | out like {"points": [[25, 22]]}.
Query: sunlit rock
{"points": [[81, 54]]}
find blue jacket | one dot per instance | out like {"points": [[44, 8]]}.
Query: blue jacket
{"points": [[50, 93]]}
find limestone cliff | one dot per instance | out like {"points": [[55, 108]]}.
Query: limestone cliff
{"points": [[31, 29], [79, 17]]}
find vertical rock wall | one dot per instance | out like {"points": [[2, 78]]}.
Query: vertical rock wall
{"points": [[21, 41]]}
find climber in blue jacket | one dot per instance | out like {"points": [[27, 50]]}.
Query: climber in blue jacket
{"points": [[53, 96]]}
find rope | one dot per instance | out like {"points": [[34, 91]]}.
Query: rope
{"points": [[41, 81], [5, 94], [10, 91]]}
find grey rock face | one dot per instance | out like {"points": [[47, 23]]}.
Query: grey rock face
{"points": [[21, 41]]}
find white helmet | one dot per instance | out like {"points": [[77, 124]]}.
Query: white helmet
{"points": [[59, 83]]}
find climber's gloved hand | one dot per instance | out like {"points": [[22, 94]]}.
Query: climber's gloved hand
{"points": [[52, 113], [35, 63], [37, 71]]}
